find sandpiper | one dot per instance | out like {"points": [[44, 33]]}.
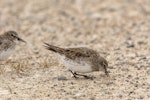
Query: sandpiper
{"points": [[8, 44], [80, 60]]}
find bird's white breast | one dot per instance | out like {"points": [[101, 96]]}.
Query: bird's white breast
{"points": [[80, 65], [5, 54]]}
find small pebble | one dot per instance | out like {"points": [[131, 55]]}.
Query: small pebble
{"points": [[129, 45], [141, 42], [120, 96], [79, 95], [148, 71], [129, 38], [141, 97], [61, 78]]}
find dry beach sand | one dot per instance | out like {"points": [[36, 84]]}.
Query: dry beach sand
{"points": [[118, 29]]}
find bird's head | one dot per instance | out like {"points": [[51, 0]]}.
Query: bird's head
{"points": [[104, 65], [13, 36]]}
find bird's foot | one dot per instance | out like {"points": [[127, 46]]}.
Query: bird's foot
{"points": [[75, 77], [88, 77]]}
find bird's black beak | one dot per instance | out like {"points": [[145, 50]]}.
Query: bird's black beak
{"points": [[19, 39], [105, 69]]}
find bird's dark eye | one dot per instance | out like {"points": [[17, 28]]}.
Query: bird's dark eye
{"points": [[13, 35]]}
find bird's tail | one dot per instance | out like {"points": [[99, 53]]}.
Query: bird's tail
{"points": [[54, 48]]}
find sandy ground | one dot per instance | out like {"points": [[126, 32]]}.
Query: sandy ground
{"points": [[118, 29]]}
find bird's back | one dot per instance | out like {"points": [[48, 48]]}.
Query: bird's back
{"points": [[6, 47], [73, 53], [6, 44]]}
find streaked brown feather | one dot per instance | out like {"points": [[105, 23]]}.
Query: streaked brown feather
{"points": [[81, 53]]}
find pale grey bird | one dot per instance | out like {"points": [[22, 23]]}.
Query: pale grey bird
{"points": [[80, 60], [8, 44]]}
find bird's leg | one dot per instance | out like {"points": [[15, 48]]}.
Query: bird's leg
{"points": [[85, 76], [2, 67], [106, 73], [74, 75]]}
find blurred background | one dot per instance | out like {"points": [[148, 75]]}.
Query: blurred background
{"points": [[96, 23], [104, 25], [75, 18]]}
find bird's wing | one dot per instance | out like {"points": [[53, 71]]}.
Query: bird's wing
{"points": [[4, 45], [73, 53], [53, 48], [1, 44]]}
